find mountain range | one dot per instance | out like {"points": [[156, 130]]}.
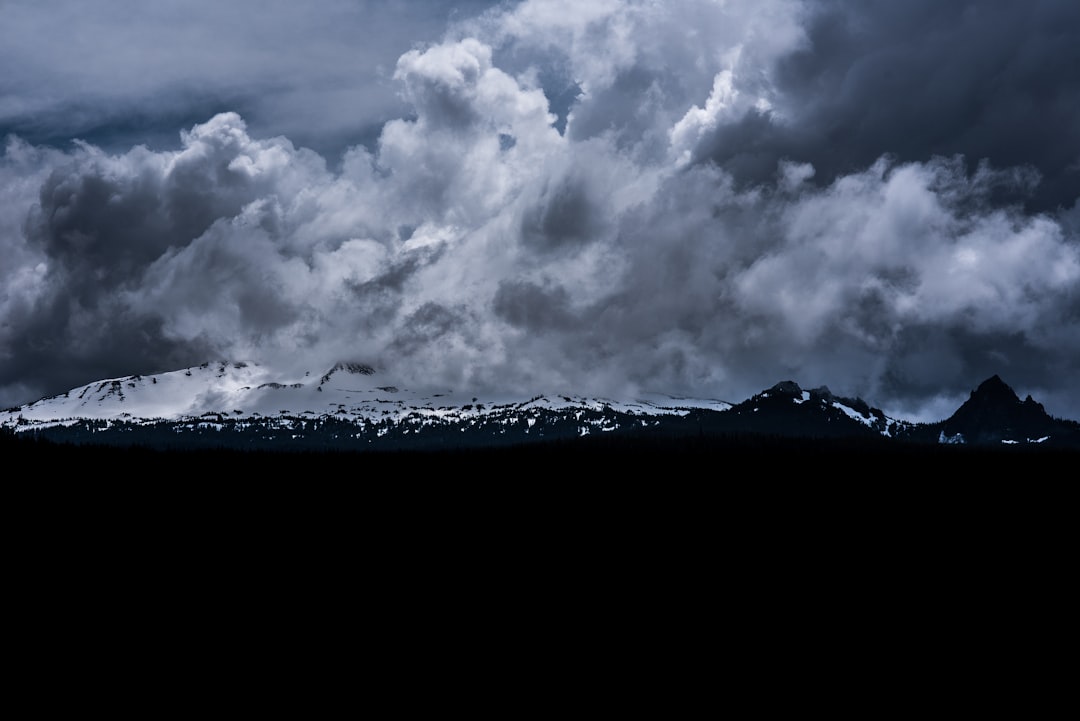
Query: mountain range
{"points": [[353, 407]]}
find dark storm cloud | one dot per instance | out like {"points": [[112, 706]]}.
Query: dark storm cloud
{"points": [[103, 220], [731, 194], [996, 80], [533, 307], [563, 215], [427, 324], [104, 227]]}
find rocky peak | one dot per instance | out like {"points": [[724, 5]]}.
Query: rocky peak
{"points": [[994, 411], [786, 388], [357, 368]]}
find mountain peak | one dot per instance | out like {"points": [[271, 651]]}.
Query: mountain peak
{"points": [[994, 387], [355, 368], [787, 388], [994, 412]]}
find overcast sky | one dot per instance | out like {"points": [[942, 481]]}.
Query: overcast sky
{"points": [[698, 197]]}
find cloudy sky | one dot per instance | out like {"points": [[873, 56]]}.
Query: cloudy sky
{"points": [[697, 196]]}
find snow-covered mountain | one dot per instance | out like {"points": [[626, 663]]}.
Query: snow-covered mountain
{"points": [[351, 405], [787, 409], [245, 397], [348, 390]]}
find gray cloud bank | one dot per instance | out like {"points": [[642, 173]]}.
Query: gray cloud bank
{"points": [[876, 196], [130, 71]]}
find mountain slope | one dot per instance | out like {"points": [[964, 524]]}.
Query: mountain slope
{"points": [[242, 404], [350, 404], [786, 409]]}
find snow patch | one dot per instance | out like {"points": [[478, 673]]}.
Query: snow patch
{"points": [[854, 414]]}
